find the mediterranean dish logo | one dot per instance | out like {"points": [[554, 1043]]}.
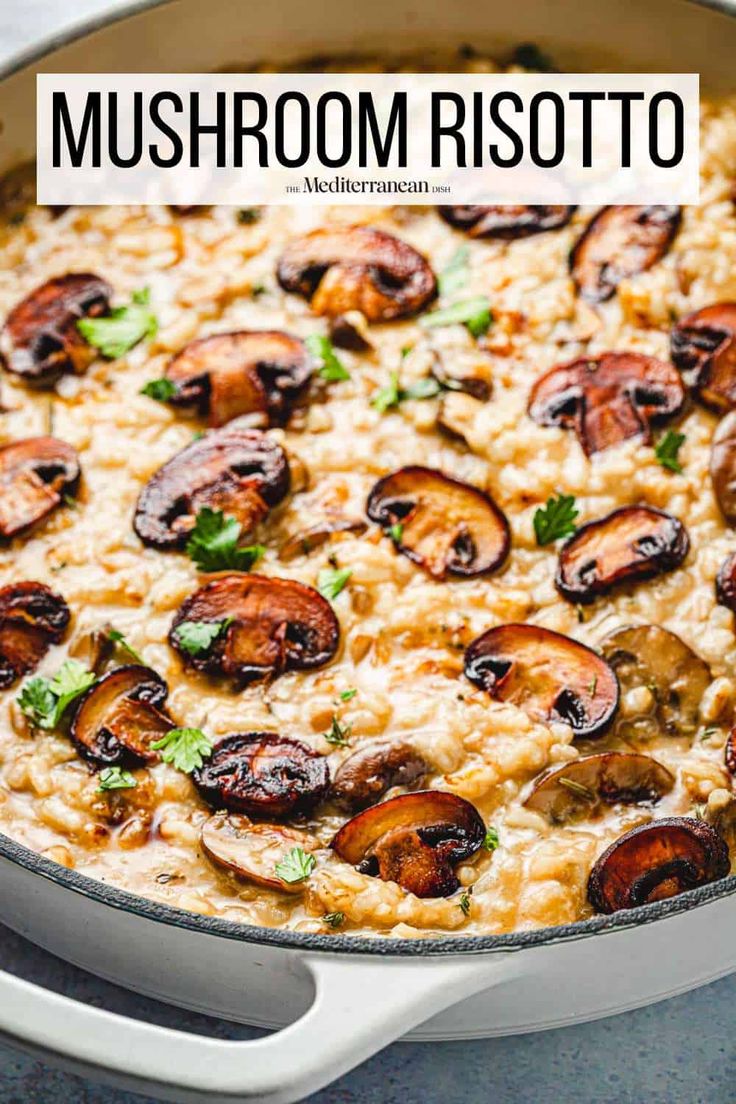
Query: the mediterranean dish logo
{"points": [[380, 138]]}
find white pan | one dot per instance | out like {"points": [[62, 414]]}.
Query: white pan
{"points": [[344, 998]]}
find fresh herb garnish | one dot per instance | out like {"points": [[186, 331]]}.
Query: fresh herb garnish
{"points": [[490, 840], [334, 919], [347, 695], [464, 902], [556, 519], [474, 313], [339, 734], [44, 701], [117, 333], [115, 778], [117, 638], [331, 581], [331, 367], [184, 748], [396, 531], [577, 788], [392, 394], [162, 390], [213, 543], [246, 216], [197, 637], [667, 448], [455, 274], [70, 501], [296, 866]]}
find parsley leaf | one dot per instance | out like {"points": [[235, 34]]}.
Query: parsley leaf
{"points": [[334, 919], [455, 275], [423, 389], [331, 581], [122, 328], [213, 543], [37, 702], [464, 902], [332, 369], [339, 734], [117, 638], [162, 390], [387, 396], [296, 866], [114, 778], [347, 695], [197, 637], [474, 313], [396, 532], [44, 701], [667, 448], [556, 519], [392, 394], [490, 841], [184, 748]]}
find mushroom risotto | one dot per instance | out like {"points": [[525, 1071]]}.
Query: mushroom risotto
{"points": [[372, 570]]}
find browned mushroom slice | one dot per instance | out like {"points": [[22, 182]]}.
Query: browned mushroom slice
{"points": [[723, 466], [548, 675], [451, 380], [349, 331], [230, 374], [35, 475], [704, 349], [608, 398], [40, 340], [119, 717], [32, 618], [626, 546], [253, 851], [620, 242], [730, 752], [442, 524], [303, 543], [648, 655], [277, 625], [238, 470], [365, 776], [512, 221], [357, 268], [726, 583], [416, 839], [656, 861], [262, 774], [610, 778]]}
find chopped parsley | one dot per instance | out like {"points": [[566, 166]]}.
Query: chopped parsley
{"points": [[334, 919], [455, 275], [556, 519], [117, 333], [331, 581], [347, 695], [162, 390], [396, 532], [197, 637], [117, 638], [464, 902], [213, 543], [114, 778], [393, 394], [184, 748], [490, 840], [44, 701], [339, 734], [246, 216], [331, 367], [296, 866], [667, 448], [473, 313]]}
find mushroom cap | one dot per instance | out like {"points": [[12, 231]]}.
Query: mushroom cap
{"points": [[608, 398], [630, 544], [620, 242], [703, 348], [253, 850], [277, 625], [608, 777], [32, 618], [448, 527], [120, 716], [723, 466], [656, 861], [40, 340], [35, 474], [548, 675], [507, 222], [357, 268], [364, 777], [726, 583], [231, 374], [238, 470], [262, 774]]}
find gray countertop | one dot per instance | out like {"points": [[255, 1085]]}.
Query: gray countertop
{"points": [[679, 1052]]}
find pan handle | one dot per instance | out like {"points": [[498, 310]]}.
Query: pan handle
{"points": [[360, 1006]]}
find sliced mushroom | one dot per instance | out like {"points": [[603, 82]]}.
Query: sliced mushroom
{"points": [[452, 380], [677, 678], [703, 347], [357, 268], [277, 625], [416, 840], [262, 774], [620, 242], [32, 618], [35, 475], [723, 466], [253, 850], [608, 398], [40, 340], [230, 374], [656, 861], [446, 526], [512, 221], [610, 778], [365, 776], [628, 545], [548, 675], [301, 544], [726, 583], [350, 331], [730, 753], [118, 718], [238, 470]]}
